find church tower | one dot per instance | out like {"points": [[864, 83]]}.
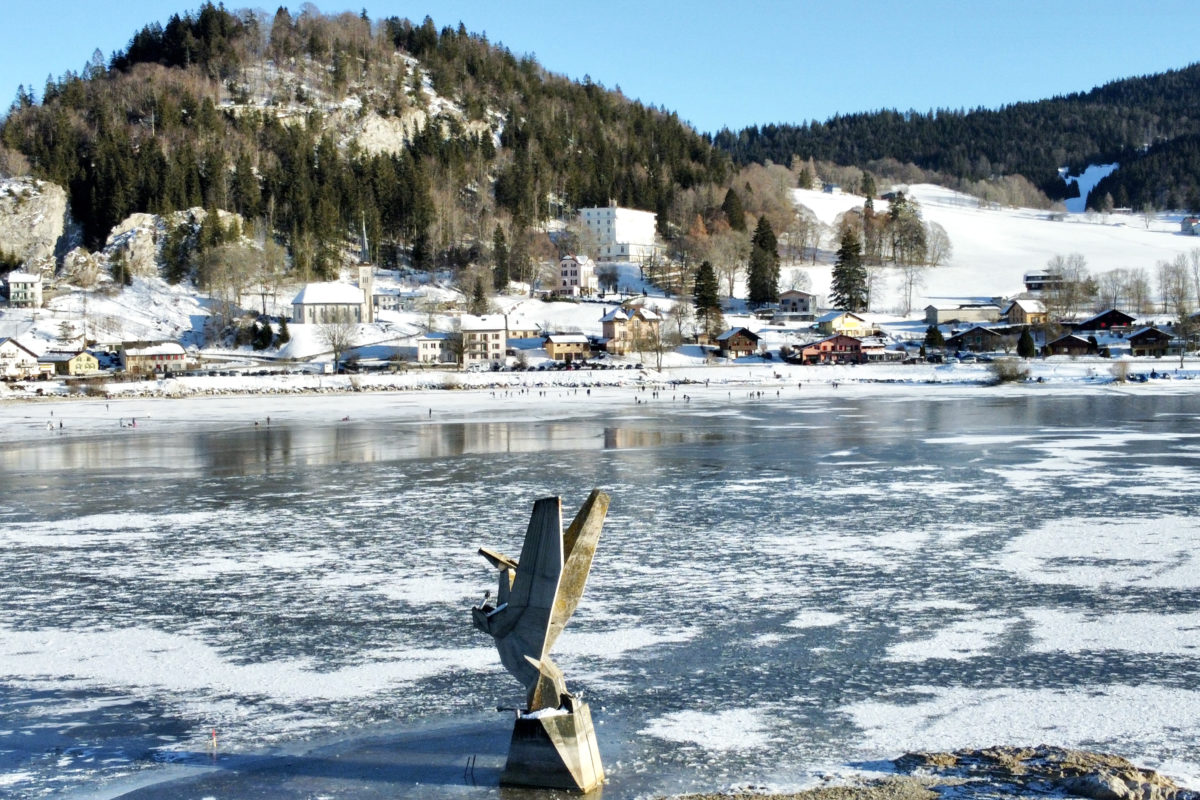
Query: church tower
{"points": [[366, 282]]}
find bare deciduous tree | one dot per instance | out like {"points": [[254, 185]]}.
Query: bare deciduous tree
{"points": [[339, 336]]}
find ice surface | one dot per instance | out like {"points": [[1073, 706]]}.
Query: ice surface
{"points": [[970, 571]]}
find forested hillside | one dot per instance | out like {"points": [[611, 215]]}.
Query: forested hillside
{"points": [[265, 116], [1147, 124]]}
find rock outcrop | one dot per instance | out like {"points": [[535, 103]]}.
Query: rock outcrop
{"points": [[33, 218], [1046, 768], [996, 772], [136, 241]]}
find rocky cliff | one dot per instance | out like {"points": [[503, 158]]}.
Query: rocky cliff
{"points": [[34, 225]]}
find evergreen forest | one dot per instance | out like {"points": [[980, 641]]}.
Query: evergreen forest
{"points": [[247, 112], [1146, 124]]}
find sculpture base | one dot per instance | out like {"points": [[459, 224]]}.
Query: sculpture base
{"points": [[556, 751]]}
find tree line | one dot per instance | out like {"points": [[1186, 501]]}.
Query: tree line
{"points": [[1147, 124]]}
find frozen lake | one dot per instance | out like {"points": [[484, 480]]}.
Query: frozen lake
{"points": [[785, 589]]}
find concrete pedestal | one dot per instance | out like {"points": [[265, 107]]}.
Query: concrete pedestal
{"points": [[555, 751]]}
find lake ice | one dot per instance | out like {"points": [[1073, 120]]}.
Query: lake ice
{"points": [[785, 589]]}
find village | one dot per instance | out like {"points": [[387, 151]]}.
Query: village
{"points": [[598, 314]]}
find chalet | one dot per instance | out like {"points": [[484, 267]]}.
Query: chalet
{"points": [[150, 357], [977, 340], [484, 339], [797, 303], [1025, 312], [837, 349], [1041, 281], [436, 347], [567, 347], [1112, 319], [875, 349], [623, 327], [942, 313], [1149, 342], [737, 342], [844, 322], [69, 362], [17, 360], [1070, 345], [24, 289]]}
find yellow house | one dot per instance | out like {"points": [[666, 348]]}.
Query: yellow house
{"points": [[567, 347], [846, 322], [69, 363], [624, 326]]}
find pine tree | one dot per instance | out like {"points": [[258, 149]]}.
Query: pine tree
{"points": [[707, 297], [479, 299], [763, 271], [734, 211], [933, 337], [285, 335], [500, 260], [848, 290], [1025, 346]]}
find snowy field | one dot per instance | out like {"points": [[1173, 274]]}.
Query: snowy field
{"points": [[790, 586]]}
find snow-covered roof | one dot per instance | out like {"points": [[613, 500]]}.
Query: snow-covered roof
{"points": [[58, 356], [329, 294], [1030, 306], [17, 344], [729, 334], [832, 315], [616, 315], [433, 336], [159, 349], [23, 277], [648, 314], [567, 338], [486, 322]]}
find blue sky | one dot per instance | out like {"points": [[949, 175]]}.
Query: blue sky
{"points": [[727, 63]]}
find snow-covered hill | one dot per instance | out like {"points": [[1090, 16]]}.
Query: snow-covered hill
{"points": [[994, 247]]}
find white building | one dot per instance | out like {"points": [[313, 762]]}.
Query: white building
{"points": [[435, 347], [16, 360], [484, 339], [24, 290], [577, 276], [622, 234], [319, 303]]}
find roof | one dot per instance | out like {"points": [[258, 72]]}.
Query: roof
{"points": [[146, 349], [832, 315], [1149, 329], [1070, 336], [17, 344], [617, 314], [837, 336], [729, 334], [791, 292], [59, 356], [1030, 306], [1105, 313], [434, 336], [567, 338], [486, 322], [23, 277], [648, 314], [329, 294]]}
